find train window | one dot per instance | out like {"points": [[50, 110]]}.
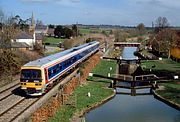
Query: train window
{"points": [[65, 64], [31, 74], [54, 71], [69, 61], [60, 66], [49, 73], [72, 59]]}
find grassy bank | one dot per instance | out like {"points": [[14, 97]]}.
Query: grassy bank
{"points": [[166, 67], [165, 64], [171, 92], [103, 68], [98, 91]]}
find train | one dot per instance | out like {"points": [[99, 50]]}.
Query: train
{"points": [[38, 76]]}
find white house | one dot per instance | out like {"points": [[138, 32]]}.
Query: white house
{"points": [[27, 38]]}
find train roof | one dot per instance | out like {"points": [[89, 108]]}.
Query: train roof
{"points": [[42, 61]]}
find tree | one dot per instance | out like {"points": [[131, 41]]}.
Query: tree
{"points": [[167, 39], [51, 26], [1, 16], [58, 31], [119, 36], [9, 62], [75, 30], [39, 23], [141, 28], [161, 23], [111, 32], [68, 32]]}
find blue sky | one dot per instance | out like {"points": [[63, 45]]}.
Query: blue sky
{"points": [[116, 12]]}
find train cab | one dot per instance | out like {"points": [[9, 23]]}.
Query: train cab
{"points": [[32, 81]]}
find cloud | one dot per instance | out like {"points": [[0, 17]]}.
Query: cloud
{"points": [[35, 0], [75, 1], [58, 1], [162, 3]]}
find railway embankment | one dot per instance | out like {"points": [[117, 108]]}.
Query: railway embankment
{"points": [[75, 97]]}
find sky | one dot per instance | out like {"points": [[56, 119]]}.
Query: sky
{"points": [[112, 12]]}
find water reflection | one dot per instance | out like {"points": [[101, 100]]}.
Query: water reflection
{"points": [[126, 108]]}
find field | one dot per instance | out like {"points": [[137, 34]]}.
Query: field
{"points": [[89, 30], [85, 30], [53, 40]]}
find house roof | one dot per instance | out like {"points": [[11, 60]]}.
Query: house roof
{"points": [[24, 35]]}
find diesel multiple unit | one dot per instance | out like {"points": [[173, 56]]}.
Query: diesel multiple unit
{"points": [[38, 75]]}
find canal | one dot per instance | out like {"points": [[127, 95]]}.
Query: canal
{"points": [[140, 108]]}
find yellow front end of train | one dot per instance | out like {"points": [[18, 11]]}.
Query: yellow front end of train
{"points": [[32, 80]]}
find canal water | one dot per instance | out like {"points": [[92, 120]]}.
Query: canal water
{"points": [[139, 108]]}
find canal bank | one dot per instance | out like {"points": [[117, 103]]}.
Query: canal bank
{"points": [[165, 100]]}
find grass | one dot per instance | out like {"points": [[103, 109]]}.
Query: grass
{"points": [[171, 92], [53, 40], [89, 30], [85, 30], [103, 68], [165, 64], [98, 92]]}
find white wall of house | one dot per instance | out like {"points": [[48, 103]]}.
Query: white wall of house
{"points": [[30, 42]]}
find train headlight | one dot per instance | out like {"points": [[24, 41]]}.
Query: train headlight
{"points": [[36, 81]]}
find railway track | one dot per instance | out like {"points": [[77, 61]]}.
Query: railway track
{"points": [[8, 91], [17, 109], [17, 84]]}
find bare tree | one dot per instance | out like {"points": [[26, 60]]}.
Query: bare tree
{"points": [[161, 23], [167, 39], [39, 23], [141, 28], [1, 16], [119, 36], [8, 60]]}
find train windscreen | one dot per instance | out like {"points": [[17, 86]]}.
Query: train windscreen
{"points": [[29, 74]]}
